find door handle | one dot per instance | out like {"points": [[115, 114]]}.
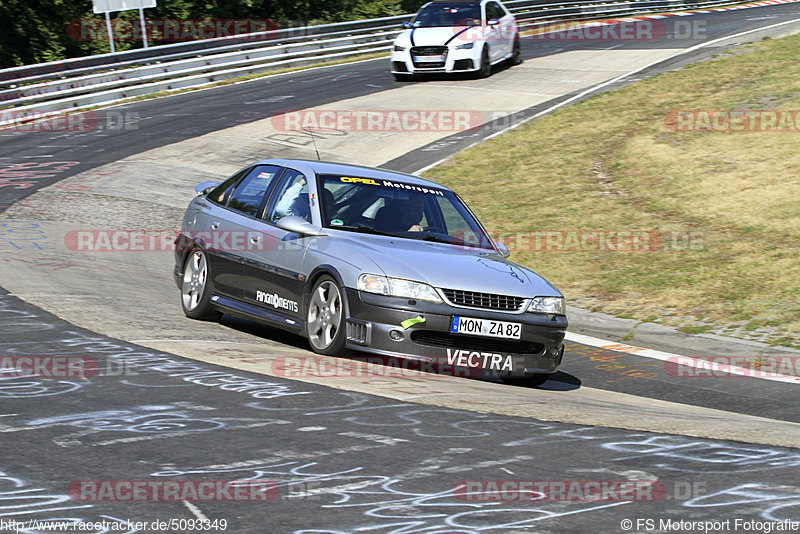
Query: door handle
{"points": [[254, 239], [215, 225]]}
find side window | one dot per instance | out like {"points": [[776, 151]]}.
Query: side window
{"points": [[253, 189], [220, 194], [494, 11], [291, 198]]}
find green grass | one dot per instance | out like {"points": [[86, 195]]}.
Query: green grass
{"points": [[724, 207]]}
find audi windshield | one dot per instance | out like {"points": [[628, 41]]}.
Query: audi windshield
{"points": [[447, 15]]}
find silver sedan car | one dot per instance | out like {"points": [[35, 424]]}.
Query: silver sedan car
{"points": [[366, 259]]}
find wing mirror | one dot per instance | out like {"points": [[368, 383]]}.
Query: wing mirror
{"points": [[503, 250], [493, 22], [297, 225], [205, 187]]}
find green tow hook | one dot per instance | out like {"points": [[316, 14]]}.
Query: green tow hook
{"points": [[408, 323]]}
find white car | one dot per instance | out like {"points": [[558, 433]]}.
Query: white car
{"points": [[452, 36]]}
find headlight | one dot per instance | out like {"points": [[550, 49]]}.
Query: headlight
{"points": [[555, 305], [397, 287], [399, 48], [466, 46]]}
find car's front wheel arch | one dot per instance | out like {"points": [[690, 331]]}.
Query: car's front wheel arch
{"points": [[312, 279]]}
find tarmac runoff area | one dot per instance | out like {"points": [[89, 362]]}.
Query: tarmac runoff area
{"points": [[132, 296]]}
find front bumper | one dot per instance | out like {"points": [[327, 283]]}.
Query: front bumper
{"points": [[456, 61], [373, 325]]}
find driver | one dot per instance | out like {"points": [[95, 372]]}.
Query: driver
{"points": [[401, 216]]}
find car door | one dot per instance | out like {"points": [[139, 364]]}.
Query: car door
{"points": [[508, 28], [272, 278], [227, 227], [498, 41]]}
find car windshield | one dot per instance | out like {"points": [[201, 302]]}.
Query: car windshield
{"points": [[389, 207], [455, 14]]}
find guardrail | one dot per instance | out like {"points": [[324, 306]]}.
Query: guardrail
{"points": [[65, 85]]}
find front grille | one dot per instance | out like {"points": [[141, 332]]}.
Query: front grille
{"points": [[472, 343], [484, 301], [429, 51]]}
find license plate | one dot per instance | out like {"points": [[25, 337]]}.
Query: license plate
{"points": [[485, 327], [428, 59]]}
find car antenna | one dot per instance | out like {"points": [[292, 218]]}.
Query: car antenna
{"points": [[308, 129]]}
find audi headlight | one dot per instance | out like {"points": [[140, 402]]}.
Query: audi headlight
{"points": [[555, 305], [466, 46], [397, 287], [399, 48]]}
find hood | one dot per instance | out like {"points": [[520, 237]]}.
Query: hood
{"points": [[442, 265], [436, 36]]}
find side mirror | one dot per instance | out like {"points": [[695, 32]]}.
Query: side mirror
{"points": [[503, 250], [406, 25], [205, 187], [297, 225], [493, 22]]}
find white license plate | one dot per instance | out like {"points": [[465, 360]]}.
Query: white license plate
{"points": [[485, 327], [428, 59]]}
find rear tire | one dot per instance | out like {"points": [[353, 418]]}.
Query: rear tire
{"points": [[196, 288], [325, 327], [516, 53]]}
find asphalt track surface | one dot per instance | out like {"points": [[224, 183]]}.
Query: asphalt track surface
{"points": [[348, 461]]}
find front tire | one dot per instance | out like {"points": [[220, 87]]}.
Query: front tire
{"points": [[196, 289], [530, 380], [486, 66], [325, 317]]}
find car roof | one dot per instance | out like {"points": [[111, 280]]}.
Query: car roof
{"points": [[345, 169]]}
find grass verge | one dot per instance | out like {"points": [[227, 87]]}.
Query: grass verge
{"points": [[718, 211]]}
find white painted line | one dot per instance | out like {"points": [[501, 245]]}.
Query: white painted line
{"points": [[711, 366], [196, 512], [604, 84]]}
